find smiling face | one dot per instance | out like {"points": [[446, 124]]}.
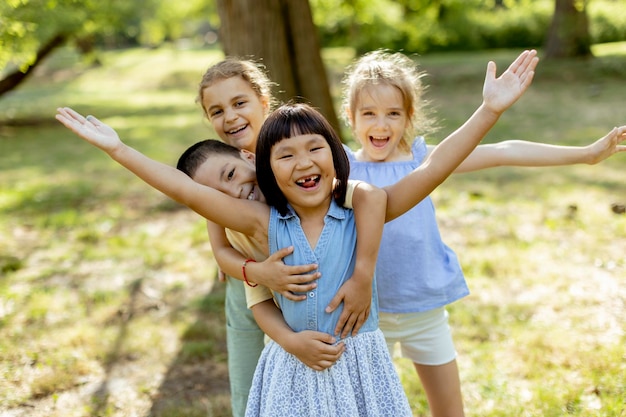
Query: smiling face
{"points": [[230, 175], [235, 110], [379, 123], [304, 171]]}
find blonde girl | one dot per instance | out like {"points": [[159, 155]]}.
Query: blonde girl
{"points": [[417, 273]]}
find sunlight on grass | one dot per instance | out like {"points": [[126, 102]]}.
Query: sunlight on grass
{"points": [[613, 48], [108, 296]]}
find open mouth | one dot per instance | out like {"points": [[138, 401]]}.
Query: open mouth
{"points": [[252, 193], [308, 182], [237, 130], [379, 141]]}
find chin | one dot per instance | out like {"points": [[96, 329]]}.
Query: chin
{"points": [[244, 143]]}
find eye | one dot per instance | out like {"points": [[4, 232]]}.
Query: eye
{"points": [[395, 113], [215, 113], [368, 113], [231, 174], [240, 103]]}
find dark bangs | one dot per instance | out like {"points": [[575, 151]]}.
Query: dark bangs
{"points": [[283, 123]]}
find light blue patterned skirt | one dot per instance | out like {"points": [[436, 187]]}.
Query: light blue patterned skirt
{"points": [[363, 382]]}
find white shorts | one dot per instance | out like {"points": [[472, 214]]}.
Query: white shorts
{"points": [[424, 337]]}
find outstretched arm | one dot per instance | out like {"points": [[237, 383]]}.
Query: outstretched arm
{"points": [[534, 154], [248, 217], [498, 95]]}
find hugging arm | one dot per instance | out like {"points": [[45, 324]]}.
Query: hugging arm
{"points": [[369, 204], [535, 154], [498, 95], [271, 273], [315, 349]]}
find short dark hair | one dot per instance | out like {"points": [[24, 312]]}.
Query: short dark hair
{"points": [[287, 121], [199, 152]]}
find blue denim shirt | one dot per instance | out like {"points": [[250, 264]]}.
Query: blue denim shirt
{"points": [[335, 254]]}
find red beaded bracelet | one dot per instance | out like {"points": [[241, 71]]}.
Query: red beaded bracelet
{"points": [[243, 269]]}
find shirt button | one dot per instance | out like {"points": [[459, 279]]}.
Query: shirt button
{"points": [[311, 294]]}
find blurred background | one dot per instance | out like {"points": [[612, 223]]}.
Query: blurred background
{"points": [[109, 303]]}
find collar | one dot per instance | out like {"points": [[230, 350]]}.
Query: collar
{"points": [[334, 211]]}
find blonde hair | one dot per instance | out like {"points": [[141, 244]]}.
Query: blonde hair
{"points": [[250, 71], [394, 69]]}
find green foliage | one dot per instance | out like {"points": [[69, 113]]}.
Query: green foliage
{"points": [[25, 25], [608, 21], [422, 26], [172, 21], [31, 23], [109, 288], [414, 26]]}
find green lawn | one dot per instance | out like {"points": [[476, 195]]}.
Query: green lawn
{"points": [[108, 299]]}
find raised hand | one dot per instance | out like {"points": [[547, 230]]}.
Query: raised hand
{"points": [[607, 145], [89, 128], [500, 93]]}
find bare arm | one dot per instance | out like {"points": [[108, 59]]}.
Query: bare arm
{"points": [[534, 154], [369, 204], [271, 273], [498, 95], [248, 217], [315, 349]]}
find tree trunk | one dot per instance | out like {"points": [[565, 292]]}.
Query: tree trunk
{"points": [[281, 34], [568, 35], [15, 78]]}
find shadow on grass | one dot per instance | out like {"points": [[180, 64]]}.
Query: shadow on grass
{"points": [[100, 397], [196, 383]]}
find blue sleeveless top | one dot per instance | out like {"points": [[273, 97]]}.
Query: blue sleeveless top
{"points": [[416, 271], [335, 255]]}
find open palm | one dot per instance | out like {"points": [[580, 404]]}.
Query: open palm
{"points": [[89, 128], [500, 93]]}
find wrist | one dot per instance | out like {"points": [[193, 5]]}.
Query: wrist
{"points": [[245, 276], [487, 111], [287, 340], [586, 155], [117, 152], [363, 272]]}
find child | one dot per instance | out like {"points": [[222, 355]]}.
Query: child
{"points": [[303, 170], [417, 274], [235, 96], [233, 171], [236, 104]]}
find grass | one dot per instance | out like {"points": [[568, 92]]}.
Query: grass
{"points": [[108, 302]]}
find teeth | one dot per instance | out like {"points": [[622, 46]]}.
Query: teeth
{"points": [[230, 132], [304, 180]]}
